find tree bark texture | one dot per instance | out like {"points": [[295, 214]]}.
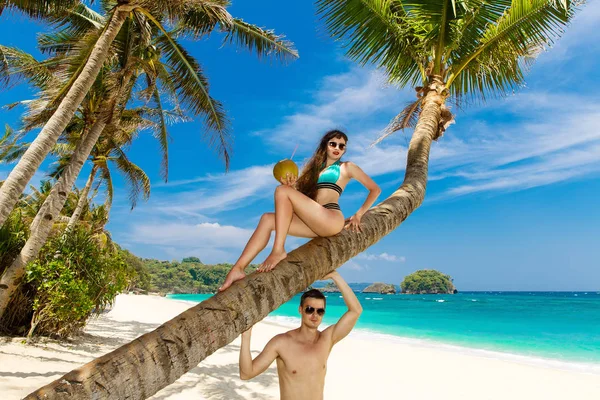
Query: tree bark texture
{"points": [[46, 216], [83, 199], [18, 178], [151, 362]]}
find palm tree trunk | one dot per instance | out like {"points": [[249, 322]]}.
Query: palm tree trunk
{"points": [[141, 368], [14, 185], [83, 199], [44, 220], [54, 203]]}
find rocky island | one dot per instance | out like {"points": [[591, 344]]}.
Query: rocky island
{"points": [[379, 287], [428, 281]]}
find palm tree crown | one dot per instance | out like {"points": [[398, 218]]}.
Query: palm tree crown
{"points": [[477, 48]]}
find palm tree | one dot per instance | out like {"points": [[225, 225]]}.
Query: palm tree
{"points": [[177, 72], [461, 48], [196, 18]]}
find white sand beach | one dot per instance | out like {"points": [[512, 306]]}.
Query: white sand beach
{"points": [[359, 367]]}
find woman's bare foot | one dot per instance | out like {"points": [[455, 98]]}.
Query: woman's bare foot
{"points": [[234, 275], [271, 262]]}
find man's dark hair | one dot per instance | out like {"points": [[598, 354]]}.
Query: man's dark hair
{"points": [[313, 294]]}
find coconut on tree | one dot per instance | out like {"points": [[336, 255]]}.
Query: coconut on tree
{"points": [[448, 50]]}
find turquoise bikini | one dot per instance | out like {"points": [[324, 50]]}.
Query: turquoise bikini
{"points": [[328, 180]]}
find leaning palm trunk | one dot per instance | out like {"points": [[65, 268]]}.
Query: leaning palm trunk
{"points": [[46, 216], [143, 367], [54, 203], [19, 177], [83, 198]]}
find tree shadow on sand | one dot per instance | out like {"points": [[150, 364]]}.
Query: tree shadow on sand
{"points": [[30, 374], [220, 382]]}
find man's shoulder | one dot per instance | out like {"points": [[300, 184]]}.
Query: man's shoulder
{"points": [[282, 337]]}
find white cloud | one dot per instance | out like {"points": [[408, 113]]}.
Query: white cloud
{"points": [[215, 193], [343, 100], [211, 241], [380, 257], [557, 146], [354, 266], [581, 35], [205, 234]]}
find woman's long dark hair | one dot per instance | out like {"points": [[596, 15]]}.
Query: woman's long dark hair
{"points": [[307, 183]]}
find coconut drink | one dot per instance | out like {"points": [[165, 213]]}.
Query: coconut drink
{"points": [[284, 167]]}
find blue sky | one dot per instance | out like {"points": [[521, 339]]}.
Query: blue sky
{"points": [[512, 199]]}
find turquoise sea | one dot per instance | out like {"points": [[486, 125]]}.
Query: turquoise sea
{"points": [[561, 326]]}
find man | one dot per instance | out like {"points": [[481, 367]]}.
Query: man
{"points": [[302, 353]]}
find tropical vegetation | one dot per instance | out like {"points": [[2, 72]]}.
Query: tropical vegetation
{"points": [[427, 281], [107, 78], [188, 276], [447, 51], [74, 277]]}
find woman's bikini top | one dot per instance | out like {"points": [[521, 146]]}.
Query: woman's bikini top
{"points": [[329, 177]]}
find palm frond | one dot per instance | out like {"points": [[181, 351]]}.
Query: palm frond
{"points": [[10, 149], [162, 135], [3, 68], [505, 48], [407, 118], [39, 9], [193, 90], [200, 18], [17, 65], [263, 42], [137, 180], [380, 32]]}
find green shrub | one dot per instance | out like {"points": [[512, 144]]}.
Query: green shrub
{"points": [[74, 278], [13, 235]]}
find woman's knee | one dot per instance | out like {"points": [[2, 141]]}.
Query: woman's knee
{"points": [[282, 190], [267, 221]]}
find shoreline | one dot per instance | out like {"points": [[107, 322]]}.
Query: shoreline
{"points": [[359, 367], [366, 334], [289, 322]]}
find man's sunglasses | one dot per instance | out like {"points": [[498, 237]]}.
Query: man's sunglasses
{"points": [[334, 145], [310, 310]]}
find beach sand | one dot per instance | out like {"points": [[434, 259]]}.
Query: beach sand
{"points": [[359, 367]]}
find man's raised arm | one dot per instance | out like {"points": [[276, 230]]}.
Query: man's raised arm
{"points": [[250, 368], [343, 327]]}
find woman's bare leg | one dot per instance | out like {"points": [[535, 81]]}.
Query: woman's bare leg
{"points": [[288, 201], [259, 240]]}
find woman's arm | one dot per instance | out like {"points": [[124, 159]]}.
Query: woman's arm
{"points": [[355, 172]]}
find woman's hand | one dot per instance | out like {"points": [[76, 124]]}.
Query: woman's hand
{"points": [[354, 223], [289, 180]]}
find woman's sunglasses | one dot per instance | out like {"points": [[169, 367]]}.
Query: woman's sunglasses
{"points": [[310, 310], [334, 145]]}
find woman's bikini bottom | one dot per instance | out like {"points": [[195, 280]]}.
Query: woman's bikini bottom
{"points": [[332, 206]]}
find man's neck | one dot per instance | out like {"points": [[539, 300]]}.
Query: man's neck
{"points": [[307, 334]]}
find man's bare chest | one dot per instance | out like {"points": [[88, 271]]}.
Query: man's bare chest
{"points": [[298, 359]]}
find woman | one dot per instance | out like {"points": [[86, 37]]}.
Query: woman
{"points": [[307, 207]]}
